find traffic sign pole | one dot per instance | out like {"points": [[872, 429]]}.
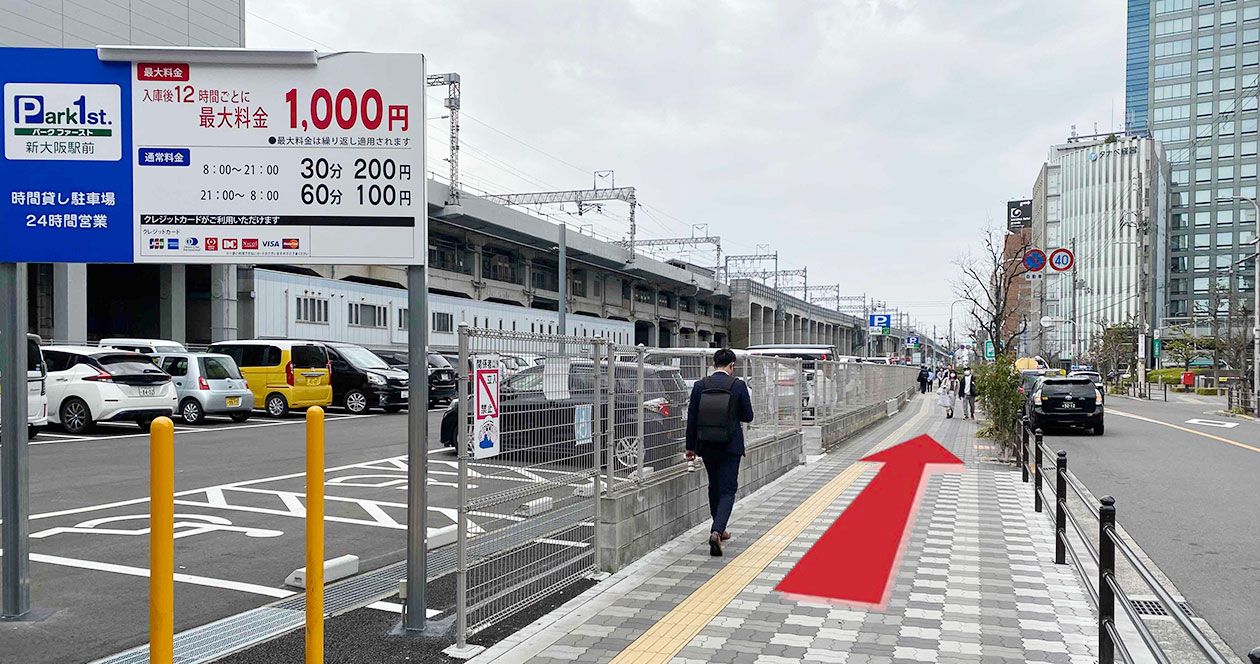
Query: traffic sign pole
{"points": [[15, 507]]}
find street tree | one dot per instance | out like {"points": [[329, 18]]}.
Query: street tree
{"points": [[988, 281], [1181, 350]]}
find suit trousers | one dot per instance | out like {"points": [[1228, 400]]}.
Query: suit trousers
{"points": [[723, 470]]}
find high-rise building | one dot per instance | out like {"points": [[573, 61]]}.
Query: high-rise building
{"points": [[1092, 197], [1191, 83]]}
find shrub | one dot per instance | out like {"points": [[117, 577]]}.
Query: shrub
{"points": [[1209, 391], [997, 386]]}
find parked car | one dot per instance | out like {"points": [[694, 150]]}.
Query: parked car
{"points": [[207, 384], [1028, 379], [1065, 401], [89, 384], [36, 388], [361, 380], [146, 346], [282, 373], [531, 420], [442, 385]]}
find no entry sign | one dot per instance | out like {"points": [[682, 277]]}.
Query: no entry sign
{"points": [[485, 441]]}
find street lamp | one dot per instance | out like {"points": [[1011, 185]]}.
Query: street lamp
{"points": [[1255, 329], [951, 323]]}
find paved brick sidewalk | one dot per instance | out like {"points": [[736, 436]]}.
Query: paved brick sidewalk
{"points": [[977, 583]]}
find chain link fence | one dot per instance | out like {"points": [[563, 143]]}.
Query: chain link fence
{"points": [[838, 388], [527, 514]]}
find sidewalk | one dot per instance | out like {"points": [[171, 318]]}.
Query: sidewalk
{"points": [[977, 582]]}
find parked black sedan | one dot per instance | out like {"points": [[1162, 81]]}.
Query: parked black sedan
{"points": [[539, 421], [442, 385], [1065, 401]]}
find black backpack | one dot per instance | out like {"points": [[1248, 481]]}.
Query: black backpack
{"points": [[715, 418]]}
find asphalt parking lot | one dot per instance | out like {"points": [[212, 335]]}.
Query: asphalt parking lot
{"points": [[239, 521]]}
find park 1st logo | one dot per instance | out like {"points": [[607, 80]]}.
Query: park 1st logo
{"points": [[62, 121]]}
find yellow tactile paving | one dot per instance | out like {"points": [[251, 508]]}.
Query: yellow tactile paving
{"points": [[671, 633]]}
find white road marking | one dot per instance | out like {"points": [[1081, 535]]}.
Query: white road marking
{"points": [[182, 430], [185, 526], [192, 579], [1212, 423]]}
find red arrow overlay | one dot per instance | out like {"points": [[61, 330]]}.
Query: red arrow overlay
{"points": [[855, 560]]}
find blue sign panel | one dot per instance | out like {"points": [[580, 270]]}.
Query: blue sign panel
{"points": [[880, 320], [66, 171], [582, 424]]}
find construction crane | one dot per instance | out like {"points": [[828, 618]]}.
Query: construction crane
{"points": [[451, 81]]}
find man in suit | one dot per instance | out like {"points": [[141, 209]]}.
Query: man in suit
{"points": [[721, 459]]}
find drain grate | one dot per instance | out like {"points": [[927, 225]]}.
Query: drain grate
{"points": [[1150, 607]]}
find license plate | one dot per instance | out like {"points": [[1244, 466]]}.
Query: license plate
{"points": [[1068, 405], [403, 395], [232, 402], [148, 391]]}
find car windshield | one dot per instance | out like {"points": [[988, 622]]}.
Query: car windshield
{"points": [[308, 357], [169, 349], [438, 362], [1062, 386], [219, 368], [362, 358], [34, 359]]}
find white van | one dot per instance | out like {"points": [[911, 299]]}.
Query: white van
{"points": [[36, 388], [146, 346]]}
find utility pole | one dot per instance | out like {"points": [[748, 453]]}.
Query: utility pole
{"points": [[1142, 282]]}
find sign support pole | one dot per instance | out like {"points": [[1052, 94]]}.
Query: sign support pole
{"points": [[15, 504], [417, 446]]}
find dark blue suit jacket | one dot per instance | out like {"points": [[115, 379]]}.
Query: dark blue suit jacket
{"points": [[739, 392]]}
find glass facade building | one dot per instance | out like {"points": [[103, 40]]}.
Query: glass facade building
{"points": [[1191, 83]]}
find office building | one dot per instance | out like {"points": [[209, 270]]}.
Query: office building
{"points": [[1092, 196], [1190, 83]]}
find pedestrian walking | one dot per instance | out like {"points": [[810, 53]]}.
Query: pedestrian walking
{"points": [[967, 392], [719, 403], [946, 393], [924, 377]]}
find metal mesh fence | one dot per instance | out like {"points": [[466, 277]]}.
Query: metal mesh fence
{"points": [[534, 502], [838, 388]]}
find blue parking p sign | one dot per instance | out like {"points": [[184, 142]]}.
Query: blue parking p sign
{"points": [[880, 320], [582, 424]]}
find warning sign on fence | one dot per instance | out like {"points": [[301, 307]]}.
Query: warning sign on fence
{"points": [[485, 404]]}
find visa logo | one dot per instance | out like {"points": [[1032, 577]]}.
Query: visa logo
{"points": [[273, 244]]}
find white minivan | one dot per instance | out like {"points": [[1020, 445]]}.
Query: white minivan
{"points": [[36, 400], [87, 385], [146, 346]]}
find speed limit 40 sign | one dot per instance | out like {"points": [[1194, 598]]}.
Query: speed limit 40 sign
{"points": [[1061, 259]]}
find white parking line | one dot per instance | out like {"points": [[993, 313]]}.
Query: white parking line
{"points": [[184, 430], [195, 580]]}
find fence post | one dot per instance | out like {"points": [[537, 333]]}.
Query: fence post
{"points": [[639, 415], [596, 446], [1023, 447], [461, 449], [1037, 461], [802, 392], [1060, 507], [1106, 570], [774, 392]]}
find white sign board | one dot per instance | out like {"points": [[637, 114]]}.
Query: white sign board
{"points": [[266, 163], [486, 374], [556, 378]]}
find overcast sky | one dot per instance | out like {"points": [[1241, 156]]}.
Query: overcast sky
{"points": [[868, 140]]}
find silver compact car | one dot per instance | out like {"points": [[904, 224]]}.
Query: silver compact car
{"points": [[207, 384]]}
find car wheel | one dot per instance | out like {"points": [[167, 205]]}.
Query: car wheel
{"points": [[191, 412], [1098, 429], [75, 416], [240, 417], [356, 402], [31, 432], [277, 406], [392, 409]]}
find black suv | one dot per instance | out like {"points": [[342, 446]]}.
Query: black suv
{"points": [[361, 380], [442, 385], [533, 423], [1065, 401]]}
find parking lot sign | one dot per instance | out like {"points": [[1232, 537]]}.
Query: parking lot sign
{"points": [[212, 156], [879, 323]]}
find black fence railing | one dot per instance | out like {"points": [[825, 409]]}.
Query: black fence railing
{"points": [[1104, 557]]}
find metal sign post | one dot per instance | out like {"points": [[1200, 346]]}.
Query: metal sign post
{"points": [[15, 508], [417, 446]]}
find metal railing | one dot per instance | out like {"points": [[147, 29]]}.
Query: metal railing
{"points": [[1104, 557], [839, 388]]}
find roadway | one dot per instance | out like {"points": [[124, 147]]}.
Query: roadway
{"points": [[1184, 481], [239, 515]]}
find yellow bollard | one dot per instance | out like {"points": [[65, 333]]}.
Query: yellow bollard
{"points": [[161, 541], [315, 535]]}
